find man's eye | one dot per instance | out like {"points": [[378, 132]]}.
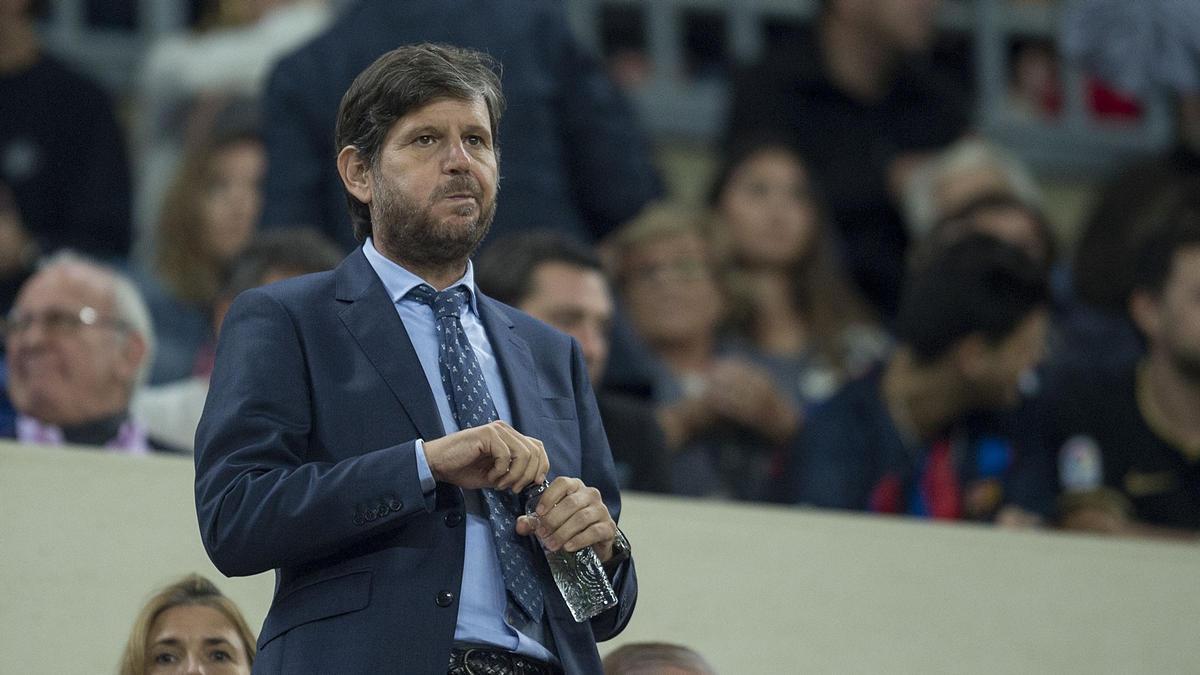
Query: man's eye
{"points": [[425, 139], [474, 140]]}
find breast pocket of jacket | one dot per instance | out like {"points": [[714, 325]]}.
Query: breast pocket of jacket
{"points": [[560, 435]]}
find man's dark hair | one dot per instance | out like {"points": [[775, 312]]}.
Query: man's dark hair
{"points": [[401, 81], [1156, 256], [976, 285], [961, 222], [292, 251], [505, 268]]}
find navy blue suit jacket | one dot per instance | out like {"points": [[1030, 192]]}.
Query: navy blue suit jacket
{"points": [[305, 464]]}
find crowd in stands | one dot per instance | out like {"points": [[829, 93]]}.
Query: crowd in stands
{"points": [[870, 310]]}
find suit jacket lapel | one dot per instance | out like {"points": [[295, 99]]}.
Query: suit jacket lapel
{"points": [[370, 316], [516, 365]]}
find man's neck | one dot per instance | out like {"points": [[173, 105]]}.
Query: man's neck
{"points": [[18, 47], [858, 65], [923, 400], [440, 276], [95, 432], [1174, 398], [778, 326]]}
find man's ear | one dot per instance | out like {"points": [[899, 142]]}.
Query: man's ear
{"points": [[355, 173], [1143, 310], [133, 354]]}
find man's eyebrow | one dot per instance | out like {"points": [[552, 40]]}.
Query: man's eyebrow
{"points": [[422, 130]]}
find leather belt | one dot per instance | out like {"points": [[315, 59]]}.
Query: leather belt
{"points": [[486, 661]]}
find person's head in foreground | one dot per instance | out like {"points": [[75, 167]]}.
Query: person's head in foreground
{"points": [[189, 627], [655, 658]]}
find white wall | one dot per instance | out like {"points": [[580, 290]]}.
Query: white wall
{"points": [[85, 537]]}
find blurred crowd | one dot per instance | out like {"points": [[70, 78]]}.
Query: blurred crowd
{"points": [[868, 310]]}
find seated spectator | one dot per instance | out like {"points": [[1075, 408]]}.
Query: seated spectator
{"points": [[187, 78], [172, 411], [856, 97], [790, 304], [208, 218], [78, 342], [960, 175], [927, 434], [997, 214], [559, 280], [655, 658], [724, 417], [62, 152], [1128, 437], [189, 627]]}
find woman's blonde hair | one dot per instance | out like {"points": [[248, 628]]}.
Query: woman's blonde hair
{"points": [[190, 591]]}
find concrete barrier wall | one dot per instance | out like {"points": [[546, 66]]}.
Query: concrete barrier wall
{"points": [[86, 536]]}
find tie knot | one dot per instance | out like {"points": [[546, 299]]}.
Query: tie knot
{"points": [[446, 303]]}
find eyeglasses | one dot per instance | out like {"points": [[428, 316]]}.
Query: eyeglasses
{"points": [[58, 322]]}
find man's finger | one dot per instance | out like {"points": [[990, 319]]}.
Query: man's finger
{"points": [[559, 488], [496, 445]]}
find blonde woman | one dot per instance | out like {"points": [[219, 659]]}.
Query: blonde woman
{"points": [[189, 626]]}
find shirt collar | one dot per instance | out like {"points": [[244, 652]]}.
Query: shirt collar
{"points": [[399, 281]]}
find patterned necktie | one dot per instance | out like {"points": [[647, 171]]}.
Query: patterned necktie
{"points": [[472, 405]]}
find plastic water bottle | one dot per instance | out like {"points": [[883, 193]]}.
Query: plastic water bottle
{"points": [[579, 576]]}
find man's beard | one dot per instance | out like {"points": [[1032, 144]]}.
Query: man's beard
{"points": [[411, 234]]}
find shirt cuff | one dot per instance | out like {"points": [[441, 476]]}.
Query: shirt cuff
{"points": [[428, 484]]}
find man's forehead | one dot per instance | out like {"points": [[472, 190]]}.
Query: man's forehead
{"points": [[571, 283], [554, 272], [436, 111], [1185, 265], [67, 285]]}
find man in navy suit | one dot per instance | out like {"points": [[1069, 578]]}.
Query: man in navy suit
{"points": [[330, 451]]}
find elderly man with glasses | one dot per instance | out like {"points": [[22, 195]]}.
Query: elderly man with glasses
{"points": [[78, 342]]}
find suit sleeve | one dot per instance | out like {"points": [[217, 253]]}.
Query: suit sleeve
{"points": [[260, 503], [598, 472]]}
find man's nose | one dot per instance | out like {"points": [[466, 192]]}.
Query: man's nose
{"points": [[457, 158]]}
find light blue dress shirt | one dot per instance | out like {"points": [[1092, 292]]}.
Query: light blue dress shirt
{"points": [[482, 604]]}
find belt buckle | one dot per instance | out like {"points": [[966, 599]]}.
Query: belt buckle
{"points": [[467, 661]]}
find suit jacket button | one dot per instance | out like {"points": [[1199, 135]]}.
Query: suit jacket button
{"points": [[358, 519], [382, 511], [445, 599], [395, 505], [453, 519], [369, 515]]}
